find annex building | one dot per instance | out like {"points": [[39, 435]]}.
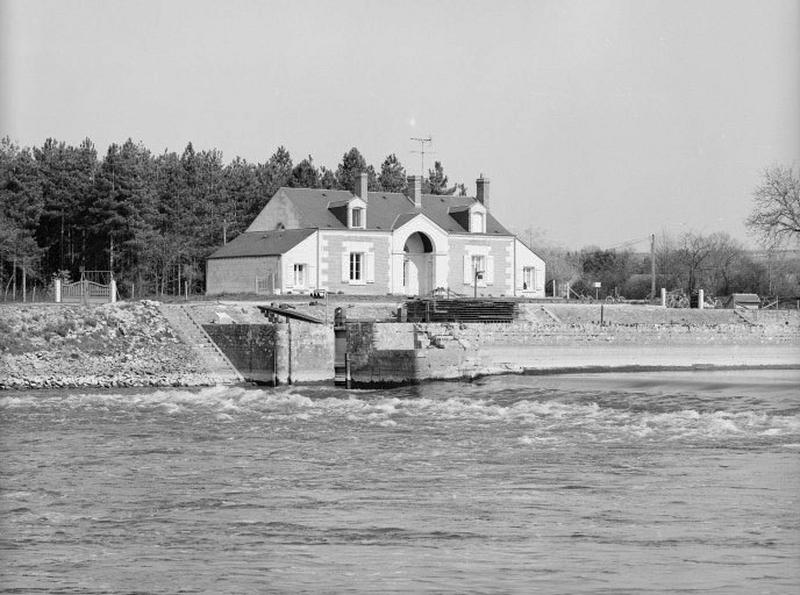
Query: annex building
{"points": [[376, 243]]}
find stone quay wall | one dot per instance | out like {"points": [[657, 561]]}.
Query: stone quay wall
{"points": [[381, 353], [277, 353], [249, 347]]}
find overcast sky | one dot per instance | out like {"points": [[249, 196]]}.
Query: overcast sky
{"points": [[597, 122]]}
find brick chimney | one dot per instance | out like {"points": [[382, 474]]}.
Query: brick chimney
{"points": [[415, 190], [482, 193], [361, 186]]}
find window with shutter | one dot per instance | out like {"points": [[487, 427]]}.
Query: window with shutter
{"points": [[288, 276], [345, 267], [370, 266]]}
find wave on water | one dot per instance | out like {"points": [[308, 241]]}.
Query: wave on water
{"points": [[539, 415]]}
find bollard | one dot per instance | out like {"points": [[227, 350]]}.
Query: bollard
{"points": [[700, 299], [663, 297], [58, 291]]}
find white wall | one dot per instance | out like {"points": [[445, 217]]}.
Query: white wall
{"points": [[527, 258], [303, 253]]}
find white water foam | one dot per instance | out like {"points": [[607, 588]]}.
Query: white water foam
{"points": [[547, 417]]}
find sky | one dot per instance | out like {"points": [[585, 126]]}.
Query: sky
{"points": [[598, 123]]}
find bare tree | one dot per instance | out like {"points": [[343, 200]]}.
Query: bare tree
{"points": [[776, 213]]}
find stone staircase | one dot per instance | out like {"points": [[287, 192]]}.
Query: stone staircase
{"points": [[215, 362]]}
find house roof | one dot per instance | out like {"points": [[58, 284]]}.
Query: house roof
{"points": [[262, 243], [385, 210]]}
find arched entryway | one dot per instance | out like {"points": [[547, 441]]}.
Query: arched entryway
{"points": [[418, 264]]}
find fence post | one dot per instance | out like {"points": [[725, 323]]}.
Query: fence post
{"points": [[701, 296], [58, 290], [113, 290], [663, 297]]}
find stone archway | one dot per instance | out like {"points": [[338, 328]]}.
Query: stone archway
{"points": [[418, 264]]}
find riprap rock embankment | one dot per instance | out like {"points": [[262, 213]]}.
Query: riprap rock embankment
{"points": [[111, 345]]}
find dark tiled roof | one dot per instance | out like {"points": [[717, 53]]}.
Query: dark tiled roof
{"points": [[385, 210], [262, 243]]}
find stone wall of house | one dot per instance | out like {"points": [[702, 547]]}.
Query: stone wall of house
{"points": [[335, 248], [499, 274], [238, 275]]}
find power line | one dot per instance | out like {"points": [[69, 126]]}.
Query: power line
{"points": [[630, 242]]}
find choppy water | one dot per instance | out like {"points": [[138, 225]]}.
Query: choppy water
{"points": [[658, 482]]}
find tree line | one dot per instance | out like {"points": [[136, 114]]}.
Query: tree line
{"points": [[685, 263], [151, 219]]}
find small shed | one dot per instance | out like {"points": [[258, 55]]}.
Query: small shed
{"points": [[750, 301]]}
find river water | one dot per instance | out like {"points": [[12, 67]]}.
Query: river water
{"points": [[595, 483]]}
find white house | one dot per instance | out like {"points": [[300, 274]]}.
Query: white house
{"points": [[376, 243]]}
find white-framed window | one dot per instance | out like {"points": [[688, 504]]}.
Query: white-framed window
{"points": [[358, 263], [478, 258], [357, 266], [478, 267], [357, 217], [300, 275], [476, 223], [528, 278]]}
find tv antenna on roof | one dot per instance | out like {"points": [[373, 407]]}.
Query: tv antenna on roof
{"points": [[422, 152]]}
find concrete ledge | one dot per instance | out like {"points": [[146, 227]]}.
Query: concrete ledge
{"points": [[390, 354]]}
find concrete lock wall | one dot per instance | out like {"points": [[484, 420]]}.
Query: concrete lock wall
{"points": [[311, 351], [385, 353], [251, 348], [280, 353]]}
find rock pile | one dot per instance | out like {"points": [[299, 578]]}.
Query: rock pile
{"points": [[111, 345]]}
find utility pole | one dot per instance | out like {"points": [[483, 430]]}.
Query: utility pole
{"points": [[652, 266], [422, 152]]}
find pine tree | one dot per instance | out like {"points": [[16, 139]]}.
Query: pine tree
{"points": [[67, 178], [241, 190], [304, 175], [393, 175], [327, 179], [21, 206], [353, 164], [436, 183]]}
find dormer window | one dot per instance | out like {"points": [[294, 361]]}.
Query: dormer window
{"points": [[477, 222], [357, 218], [357, 214]]}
